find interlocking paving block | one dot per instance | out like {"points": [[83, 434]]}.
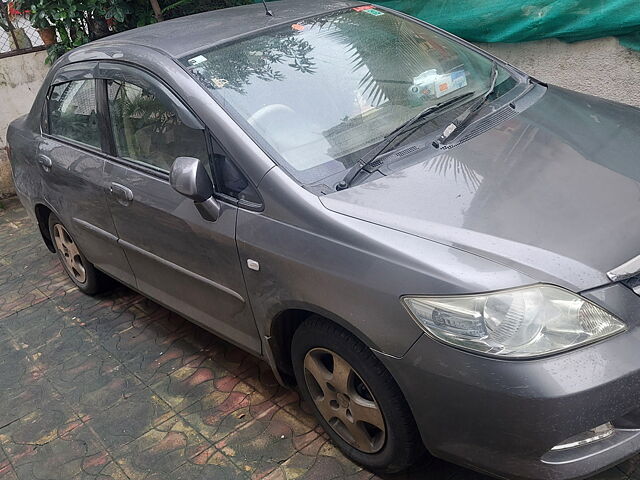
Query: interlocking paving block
{"points": [[9, 278], [262, 379], [35, 317], [18, 402], [24, 438], [17, 371], [129, 418], [93, 381], [230, 357], [69, 451], [19, 295], [110, 303], [162, 450], [232, 405], [190, 383], [11, 209], [153, 365], [208, 465], [31, 260], [40, 268], [6, 469], [267, 441], [317, 461], [18, 235], [64, 341]]}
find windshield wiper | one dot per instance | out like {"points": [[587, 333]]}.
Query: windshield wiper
{"points": [[460, 123], [411, 124]]}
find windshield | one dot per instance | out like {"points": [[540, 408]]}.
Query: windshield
{"points": [[318, 93]]}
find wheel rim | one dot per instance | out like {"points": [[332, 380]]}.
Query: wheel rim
{"points": [[69, 253], [344, 400]]}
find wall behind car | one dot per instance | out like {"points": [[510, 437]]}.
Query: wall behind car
{"points": [[599, 67], [20, 79]]}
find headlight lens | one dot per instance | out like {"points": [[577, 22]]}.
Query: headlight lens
{"points": [[523, 322]]}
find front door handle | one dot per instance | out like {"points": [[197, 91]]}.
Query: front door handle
{"points": [[122, 193], [45, 162]]}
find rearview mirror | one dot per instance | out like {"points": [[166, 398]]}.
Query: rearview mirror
{"points": [[188, 177]]}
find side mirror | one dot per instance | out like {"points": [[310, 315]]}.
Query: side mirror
{"points": [[188, 177]]}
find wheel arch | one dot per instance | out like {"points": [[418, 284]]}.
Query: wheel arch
{"points": [[42, 213], [283, 326]]}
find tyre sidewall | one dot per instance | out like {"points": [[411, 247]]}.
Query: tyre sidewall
{"points": [[90, 285], [393, 455]]}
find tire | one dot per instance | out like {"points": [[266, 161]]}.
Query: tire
{"points": [[368, 383], [81, 272]]}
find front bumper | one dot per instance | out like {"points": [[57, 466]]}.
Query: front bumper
{"points": [[503, 417]]}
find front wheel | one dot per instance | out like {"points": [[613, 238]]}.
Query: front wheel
{"points": [[354, 397], [82, 272]]}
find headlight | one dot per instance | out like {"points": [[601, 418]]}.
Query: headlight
{"points": [[523, 322]]}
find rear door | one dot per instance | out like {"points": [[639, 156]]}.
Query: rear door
{"points": [[71, 162], [179, 259]]}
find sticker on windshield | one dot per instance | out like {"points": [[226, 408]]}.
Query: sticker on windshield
{"points": [[197, 60], [297, 27], [450, 82], [430, 84], [219, 82], [370, 9]]}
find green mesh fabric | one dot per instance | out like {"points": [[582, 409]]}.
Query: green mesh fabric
{"points": [[520, 20]]}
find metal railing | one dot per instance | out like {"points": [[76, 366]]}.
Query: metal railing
{"points": [[17, 35]]}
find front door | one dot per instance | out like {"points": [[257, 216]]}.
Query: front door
{"points": [[184, 262]]}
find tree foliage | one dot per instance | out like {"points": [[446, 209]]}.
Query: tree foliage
{"points": [[80, 21]]}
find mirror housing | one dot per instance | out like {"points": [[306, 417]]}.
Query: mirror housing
{"points": [[188, 177]]}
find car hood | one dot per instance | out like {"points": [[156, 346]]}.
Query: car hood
{"points": [[553, 192]]}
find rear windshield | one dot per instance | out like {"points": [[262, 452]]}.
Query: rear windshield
{"points": [[318, 93]]}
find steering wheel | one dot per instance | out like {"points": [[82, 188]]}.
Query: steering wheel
{"points": [[273, 110]]}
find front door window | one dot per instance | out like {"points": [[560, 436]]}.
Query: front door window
{"points": [[148, 129]]}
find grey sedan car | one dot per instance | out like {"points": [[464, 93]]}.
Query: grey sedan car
{"points": [[440, 251]]}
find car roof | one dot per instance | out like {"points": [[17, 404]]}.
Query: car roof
{"points": [[185, 35]]}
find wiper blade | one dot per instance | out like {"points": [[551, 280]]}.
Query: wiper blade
{"points": [[414, 122], [460, 123], [427, 111]]}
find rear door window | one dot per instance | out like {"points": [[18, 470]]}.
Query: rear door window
{"points": [[73, 112]]}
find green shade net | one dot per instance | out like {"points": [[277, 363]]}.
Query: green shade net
{"points": [[520, 21]]}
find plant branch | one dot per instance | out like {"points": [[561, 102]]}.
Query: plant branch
{"points": [[157, 11]]}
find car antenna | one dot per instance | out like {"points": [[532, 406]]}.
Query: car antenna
{"points": [[269, 12]]}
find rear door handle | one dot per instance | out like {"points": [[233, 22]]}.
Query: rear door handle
{"points": [[122, 193], [45, 162]]}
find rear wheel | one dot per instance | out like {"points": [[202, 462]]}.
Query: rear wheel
{"points": [[82, 272], [354, 397]]}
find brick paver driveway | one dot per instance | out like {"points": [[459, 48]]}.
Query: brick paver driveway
{"points": [[117, 387]]}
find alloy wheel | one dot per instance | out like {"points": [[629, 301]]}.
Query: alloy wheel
{"points": [[69, 253], [344, 400]]}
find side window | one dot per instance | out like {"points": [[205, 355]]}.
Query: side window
{"points": [[72, 112], [147, 127], [230, 181]]}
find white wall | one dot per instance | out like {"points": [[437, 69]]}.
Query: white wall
{"points": [[599, 67], [20, 79]]}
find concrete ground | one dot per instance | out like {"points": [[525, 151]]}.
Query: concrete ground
{"points": [[116, 387]]}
